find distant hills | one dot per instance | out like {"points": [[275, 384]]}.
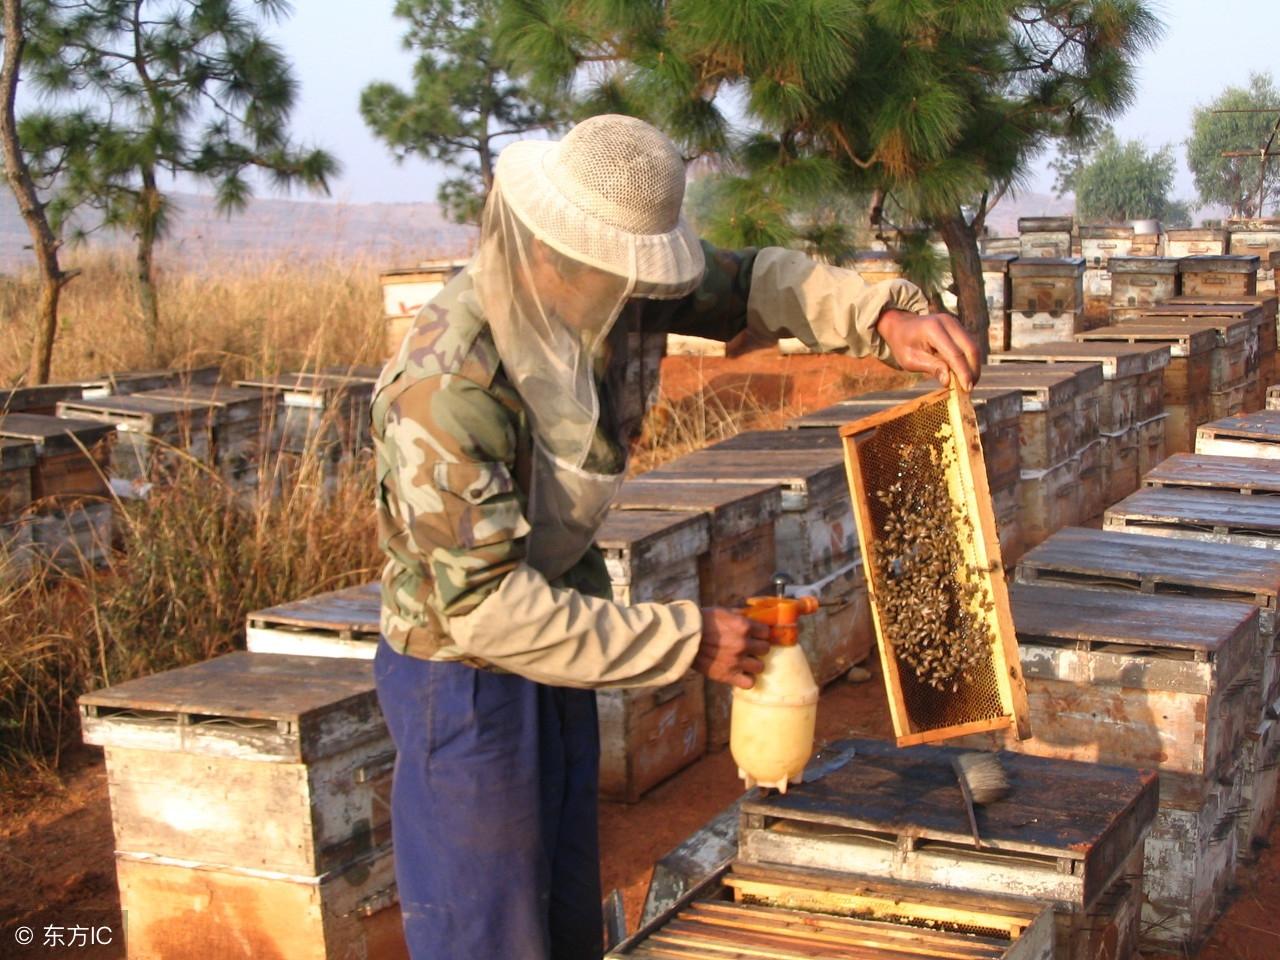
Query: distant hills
{"points": [[396, 234]]}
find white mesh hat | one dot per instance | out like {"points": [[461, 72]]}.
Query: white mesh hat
{"points": [[608, 195], [571, 231]]}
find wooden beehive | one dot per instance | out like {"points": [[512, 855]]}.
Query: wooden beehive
{"points": [[1191, 242], [250, 804], [17, 457], [1048, 300], [1185, 381], [1233, 377], [73, 457], [340, 623], [1044, 237], [1151, 443], [1139, 282], [41, 399], [1048, 429], [1259, 237], [814, 533], [1224, 275], [1255, 435], [243, 422], [750, 910], [135, 381], [1069, 835], [999, 292], [1212, 516], [74, 538], [919, 466], [325, 414], [1100, 242], [1261, 310], [647, 735], [154, 433]]}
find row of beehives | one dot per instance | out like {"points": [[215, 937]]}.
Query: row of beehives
{"points": [[67, 448], [1149, 645]]}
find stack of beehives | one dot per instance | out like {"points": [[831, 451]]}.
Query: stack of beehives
{"points": [[1258, 237], [1099, 243], [250, 806]]}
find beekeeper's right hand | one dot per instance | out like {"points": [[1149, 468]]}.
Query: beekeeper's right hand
{"points": [[732, 647]]}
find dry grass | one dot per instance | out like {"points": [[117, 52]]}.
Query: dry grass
{"points": [[254, 316]]}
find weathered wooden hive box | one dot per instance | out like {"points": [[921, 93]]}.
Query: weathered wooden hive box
{"points": [[1186, 377], [16, 460], [1267, 322], [406, 290], [1234, 385], [999, 291], [998, 410], [1044, 237], [1150, 681], [339, 623], [126, 382], [1193, 242], [1213, 516], [1139, 282], [250, 803], [1070, 835], [646, 735], [322, 414], [1103, 560], [1048, 300], [1225, 275], [70, 519], [928, 538], [1259, 237], [243, 423], [1255, 435], [1132, 386], [154, 434], [1099, 243], [756, 910]]}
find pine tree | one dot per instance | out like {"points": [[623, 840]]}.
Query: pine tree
{"points": [[463, 101], [933, 106], [170, 88]]}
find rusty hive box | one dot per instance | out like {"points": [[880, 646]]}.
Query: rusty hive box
{"points": [[1069, 835], [928, 536], [340, 623], [766, 911]]}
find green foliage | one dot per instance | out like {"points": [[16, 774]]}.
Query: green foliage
{"points": [[1237, 182], [938, 104], [1124, 181], [463, 101]]}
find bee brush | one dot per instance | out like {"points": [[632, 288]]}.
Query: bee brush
{"points": [[982, 780]]}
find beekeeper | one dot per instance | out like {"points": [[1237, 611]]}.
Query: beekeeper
{"points": [[501, 430]]}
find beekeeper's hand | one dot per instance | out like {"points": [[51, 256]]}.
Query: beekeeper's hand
{"points": [[732, 647], [932, 343]]}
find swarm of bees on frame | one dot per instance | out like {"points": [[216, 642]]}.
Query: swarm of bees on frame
{"points": [[930, 600]]}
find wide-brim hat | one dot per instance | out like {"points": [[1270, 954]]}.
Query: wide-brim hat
{"points": [[608, 195]]}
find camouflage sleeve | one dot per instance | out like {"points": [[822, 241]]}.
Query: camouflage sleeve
{"points": [[453, 521]]}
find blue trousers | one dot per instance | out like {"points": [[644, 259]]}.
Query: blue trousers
{"points": [[493, 812]]}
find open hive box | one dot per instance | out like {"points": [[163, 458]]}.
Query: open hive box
{"points": [[936, 581]]}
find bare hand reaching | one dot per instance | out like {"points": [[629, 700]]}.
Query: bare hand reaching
{"points": [[732, 647], [932, 343]]}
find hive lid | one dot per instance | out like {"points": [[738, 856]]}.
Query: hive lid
{"points": [[353, 610], [1085, 813], [17, 454], [997, 262], [1229, 329], [317, 383], [669, 534], [1183, 341], [1196, 233], [1219, 263], [41, 397], [54, 435], [245, 705], [1106, 231], [1257, 313], [1042, 388], [1157, 565], [779, 441], [217, 395], [1045, 224], [138, 412], [1253, 225], [1164, 266], [1047, 267], [1117, 359], [135, 381], [992, 405], [1261, 425], [1101, 618], [732, 508], [1211, 511], [802, 473]]}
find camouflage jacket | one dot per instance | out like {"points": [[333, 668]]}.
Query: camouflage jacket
{"points": [[454, 454]]}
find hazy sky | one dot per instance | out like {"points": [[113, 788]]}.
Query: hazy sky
{"points": [[338, 47]]}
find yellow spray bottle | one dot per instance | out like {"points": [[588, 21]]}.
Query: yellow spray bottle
{"points": [[771, 728]]}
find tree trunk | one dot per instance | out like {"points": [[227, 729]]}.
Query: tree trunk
{"points": [[966, 274], [43, 240], [144, 260]]}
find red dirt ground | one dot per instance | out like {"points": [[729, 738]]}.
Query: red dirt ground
{"points": [[56, 859]]}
